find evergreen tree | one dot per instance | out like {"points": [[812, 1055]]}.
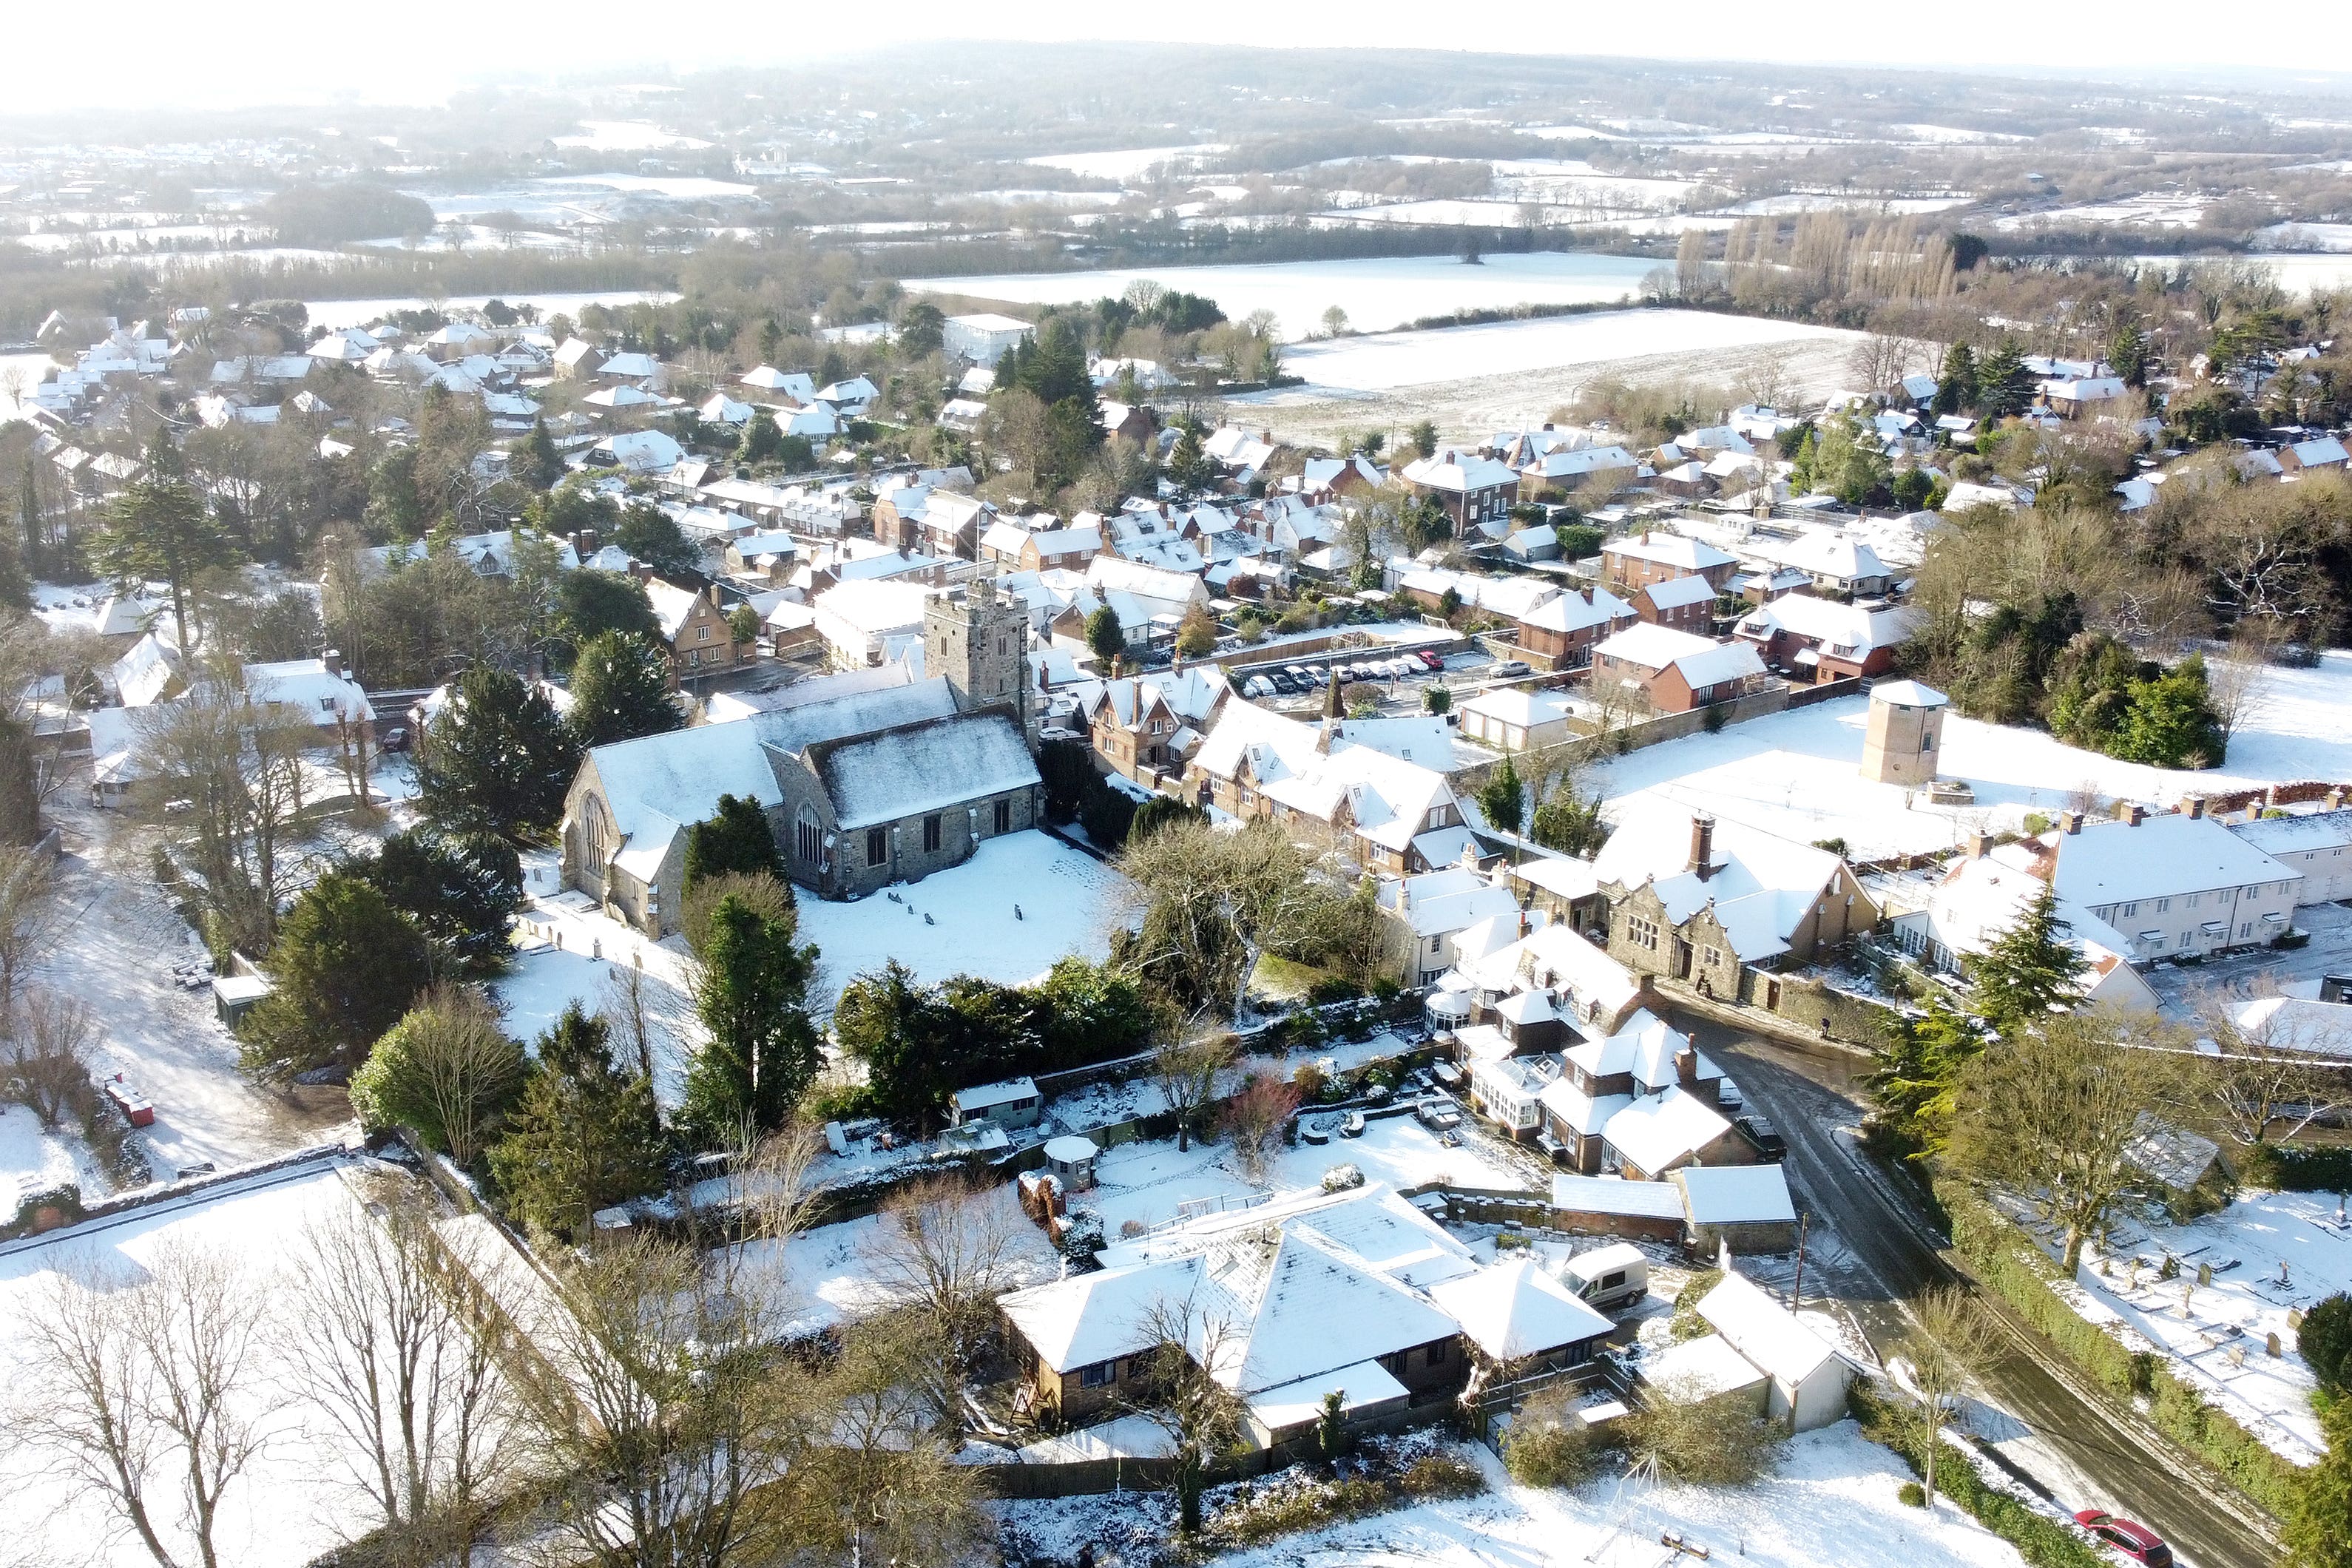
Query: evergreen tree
{"points": [[751, 994], [536, 462], [583, 1137], [1917, 1079], [772, 341], [879, 1020], [1424, 438], [2319, 1522], [32, 519], [1503, 797], [2029, 971], [160, 527], [922, 328], [1958, 388], [2324, 1342], [1188, 469], [620, 690], [496, 761], [1569, 822], [736, 837], [462, 896], [1105, 638], [2171, 723], [347, 965], [20, 795], [654, 537], [2128, 352], [1056, 369], [2004, 387], [762, 438], [590, 603]]}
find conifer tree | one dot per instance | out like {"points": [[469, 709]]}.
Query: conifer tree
{"points": [[736, 837], [583, 1136], [620, 690], [2030, 971], [751, 993], [496, 761]]}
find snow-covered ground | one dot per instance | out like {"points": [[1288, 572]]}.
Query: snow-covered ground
{"points": [[1797, 773], [1383, 361], [334, 313], [119, 945], [1832, 1504], [1067, 903], [32, 1158], [1128, 164], [2272, 1253], [1377, 294], [293, 1503]]}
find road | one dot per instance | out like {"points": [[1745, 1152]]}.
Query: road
{"points": [[2070, 1441]]}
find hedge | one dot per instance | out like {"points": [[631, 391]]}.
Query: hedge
{"points": [[2006, 1259], [2290, 1169], [2041, 1541]]}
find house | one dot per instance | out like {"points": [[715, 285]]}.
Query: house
{"points": [[1126, 421], [2171, 883], [1018, 548], [1701, 901], [1563, 631], [1564, 471], [1355, 1292], [316, 689], [1474, 491], [1510, 598], [1015, 1103], [1809, 1377], [767, 558], [153, 671], [577, 359], [1395, 814], [1146, 727], [2320, 453], [2075, 396], [867, 778], [870, 621], [1150, 602], [1428, 911], [1744, 1208], [1815, 639], [2316, 844], [696, 632], [983, 338], [796, 388], [1636, 561], [1517, 717], [1642, 1100], [1982, 896], [947, 523], [637, 451], [1324, 480], [1834, 561], [1677, 671], [1683, 604]]}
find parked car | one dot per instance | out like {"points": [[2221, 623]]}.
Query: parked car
{"points": [[1257, 686], [1429, 659], [1342, 674], [2136, 1542], [1761, 1134], [1283, 684], [1320, 676], [1301, 674], [396, 738], [1511, 668]]}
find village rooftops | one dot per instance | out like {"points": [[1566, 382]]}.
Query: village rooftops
{"points": [[1515, 1309], [2171, 853], [1668, 549]]}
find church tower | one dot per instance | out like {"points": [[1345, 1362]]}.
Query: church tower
{"points": [[978, 639]]}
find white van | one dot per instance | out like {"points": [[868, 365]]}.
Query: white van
{"points": [[1608, 1279]]}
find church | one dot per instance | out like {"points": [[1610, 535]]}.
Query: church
{"points": [[870, 777]]}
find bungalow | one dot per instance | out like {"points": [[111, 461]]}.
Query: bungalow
{"points": [[1817, 639], [636, 451], [1632, 562], [2321, 452], [1677, 671], [577, 359], [2075, 396], [1837, 563], [796, 388]]}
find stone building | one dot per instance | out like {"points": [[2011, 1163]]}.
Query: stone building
{"points": [[1905, 739]]}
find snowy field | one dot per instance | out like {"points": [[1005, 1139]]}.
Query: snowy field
{"points": [[1831, 1504], [1067, 902], [1382, 362], [333, 314], [1130, 163], [32, 1158], [2271, 1254], [1797, 773], [282, 1511], [1377, 294]]}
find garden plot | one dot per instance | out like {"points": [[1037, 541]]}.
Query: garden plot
{"points": [[32, 1158], [1832, 1503], [2271, 1254], [1797, 773]]}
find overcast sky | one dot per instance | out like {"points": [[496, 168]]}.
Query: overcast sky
{"points": [[279, 51]]}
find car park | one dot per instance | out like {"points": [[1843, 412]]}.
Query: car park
{"points": [[2136, 1542], [1283, 683], [1429, 659], [1342, 674]]}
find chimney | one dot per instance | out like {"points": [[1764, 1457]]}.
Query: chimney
{"points": [[1587, 591], [2335, 799], [641, 572], [1686, 1067], [2195, 805], [1980, 845], [333, 659], [1646, 536], [2070, 823], [1702, 848], [2133, 813], [2270, 795], [1523, 922]]}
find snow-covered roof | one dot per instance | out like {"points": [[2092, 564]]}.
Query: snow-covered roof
{"points": [[1521, 705], [925, 767], [2115, 862], [307, 686], [1459, 473], [1677, 592], [2296, 834], [1090, 1318], [1615, 1194], [1657, 1130], [1822, 552], [1585, 979], [1668, 549], [659, 785], [1701, 661], [1736, 1194], [148, 673], [1766, 1334], [1852, 631], [1515, 1309], [642, 451], [1701, 1368], [1908, 694]]}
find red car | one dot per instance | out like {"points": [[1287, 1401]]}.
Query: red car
{"points": [[2136, 1542]]}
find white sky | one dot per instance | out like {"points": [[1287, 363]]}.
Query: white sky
{"points": [[282, 51]]}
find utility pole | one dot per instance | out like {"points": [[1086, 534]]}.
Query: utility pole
{"points": [[1797, 1294]]}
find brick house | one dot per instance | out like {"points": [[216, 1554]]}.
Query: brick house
{"points": [[1561, 632], [1635, 561], [1677, 671], [1817, 639], [1474, 491], [1145, 727], [695, 631], [1683, 604], [1643, 1100]]}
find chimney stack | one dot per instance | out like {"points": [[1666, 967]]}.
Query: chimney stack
{"points": [[333, 659], [2195, 805], [2133, 813], [1980, 845], [1586, 592], [1702, 845], [2070, 823], [2335, 799]]}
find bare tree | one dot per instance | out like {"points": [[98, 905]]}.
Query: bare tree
{"points": [[466, 1068], [1190, 1075], [2237, 684], [623, 1005], [1179, 1394], [44, 1058], [2268, 1068], [1949, 1338], [151, 1397], [1254, 1120], [946, 1247], [32, 915], [1879, 360], [390, 1343], [2050, 1112]]}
